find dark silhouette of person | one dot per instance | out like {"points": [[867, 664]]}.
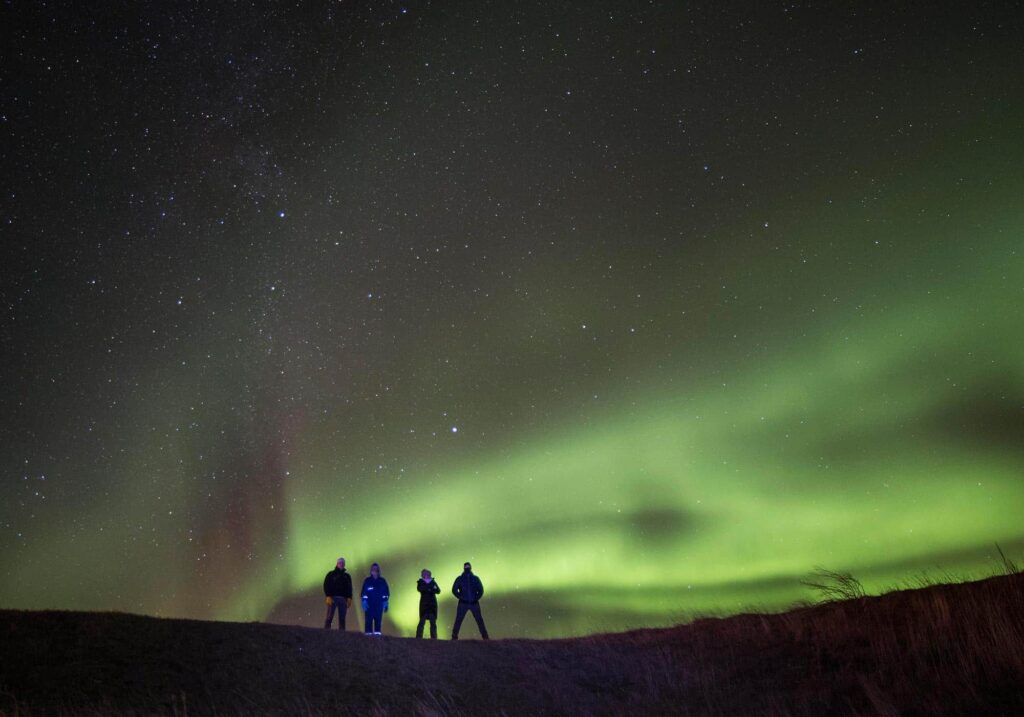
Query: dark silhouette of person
{"points": [[468, 589], [429, 590], [375, 600], [337, 594]]}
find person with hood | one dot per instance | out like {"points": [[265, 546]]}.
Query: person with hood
{"points": [[429, 590], [468, 589], [337, 594], [375, 600]]}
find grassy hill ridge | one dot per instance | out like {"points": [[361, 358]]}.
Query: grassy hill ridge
{"points": [[953, 649]]}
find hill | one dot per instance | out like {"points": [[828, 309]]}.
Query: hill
{"points": [[953, 649]]}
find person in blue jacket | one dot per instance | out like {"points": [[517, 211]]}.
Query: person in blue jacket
{"points": [[375, 600]]}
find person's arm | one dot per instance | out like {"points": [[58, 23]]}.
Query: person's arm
{"points": [[347, 587], [436, 587], [457, 589], [480, 588], [327, 579]]}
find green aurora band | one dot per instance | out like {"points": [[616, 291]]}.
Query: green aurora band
{"points": [[833, 453]]}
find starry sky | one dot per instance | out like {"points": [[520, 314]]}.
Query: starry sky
{"points": [[646, 308]]}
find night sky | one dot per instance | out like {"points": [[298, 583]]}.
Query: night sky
{"points": [[646, 308]]}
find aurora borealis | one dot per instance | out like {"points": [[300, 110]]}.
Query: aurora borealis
{"points": [[646, 309]]}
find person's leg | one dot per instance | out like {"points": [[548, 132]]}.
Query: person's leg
{"points": [[367, 622], [460, 615], [377, 617], [419, 627], [478, 616], [330, 617], [433, 627], [342, 612]]}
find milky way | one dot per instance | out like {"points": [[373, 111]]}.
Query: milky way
{"points": [[647, 309]]}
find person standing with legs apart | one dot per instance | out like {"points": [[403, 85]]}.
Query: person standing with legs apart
{"points": [[337, 594], [375, 600], [429, 590], [468, 589]]}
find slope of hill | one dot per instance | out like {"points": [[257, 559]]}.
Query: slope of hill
{"points": [[941, 650]]}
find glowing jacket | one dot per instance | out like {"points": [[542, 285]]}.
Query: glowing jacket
{"points": [[375, 592]]}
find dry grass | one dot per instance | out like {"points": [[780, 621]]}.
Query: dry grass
{"points": [[832, 585], [938, 650]]}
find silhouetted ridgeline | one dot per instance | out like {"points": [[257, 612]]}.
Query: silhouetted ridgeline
{"points": [[940, 650]]}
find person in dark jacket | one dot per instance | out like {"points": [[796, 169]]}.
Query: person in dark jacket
{"points": [[468, 589], [429, 590], [375, 600], [337, 594]]}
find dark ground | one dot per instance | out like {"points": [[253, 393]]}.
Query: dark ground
{"points": [[940, 650]]}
